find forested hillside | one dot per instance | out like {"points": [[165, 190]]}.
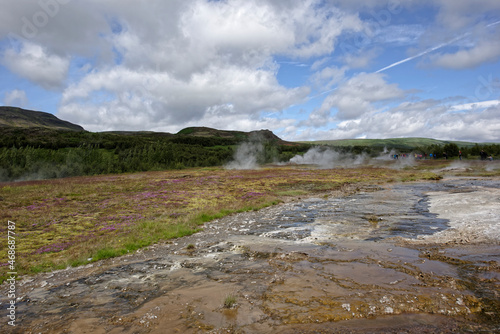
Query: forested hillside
{"points": [[41, 153]]}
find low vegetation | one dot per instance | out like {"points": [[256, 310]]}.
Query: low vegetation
{"points": [[230, 301], [74, 221]]}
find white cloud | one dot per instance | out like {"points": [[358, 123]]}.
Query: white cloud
{"points": [[477, 126], [483, 52], [319, 63], [34, 63], [210, 55], [16, 98], [238, 32], [318, 118], [428, 118], [475, 105], [398, 34], [356, 96], [457, 14], [165, 100], [328, 77], [361, 60]]}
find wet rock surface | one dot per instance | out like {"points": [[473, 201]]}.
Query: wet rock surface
{"points": [[398, 258]]}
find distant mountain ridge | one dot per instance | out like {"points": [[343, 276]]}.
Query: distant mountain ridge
{"points": [[256, 135], [399, 143], [22, 118], [18, 119]]}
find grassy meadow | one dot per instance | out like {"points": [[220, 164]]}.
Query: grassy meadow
{"points": [[74, 221]]}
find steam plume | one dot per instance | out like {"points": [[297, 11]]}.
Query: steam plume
{"points": [[246, 156]]}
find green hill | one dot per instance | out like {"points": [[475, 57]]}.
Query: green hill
{"points": [[397, 143], [22, 118], [258, 135]]}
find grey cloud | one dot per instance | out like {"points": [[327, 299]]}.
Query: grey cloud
{"points": [[61, 26]]}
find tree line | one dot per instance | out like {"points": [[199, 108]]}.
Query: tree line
{"points": [[453, 150], [27, 154], [39, 153]]}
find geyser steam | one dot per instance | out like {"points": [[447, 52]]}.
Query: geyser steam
{"points": [[247, 156], [328, 158]]}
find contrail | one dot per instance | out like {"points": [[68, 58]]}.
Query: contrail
{"points": [[418, 55], [322, 93], [432, 49], [410, 58]]}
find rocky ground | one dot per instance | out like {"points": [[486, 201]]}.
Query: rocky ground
{"points": [[397, 258]]}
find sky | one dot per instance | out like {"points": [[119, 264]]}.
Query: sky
{"points": [[304, 69]]}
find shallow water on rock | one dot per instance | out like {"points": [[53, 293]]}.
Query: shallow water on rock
{"points": [[379, 261]]}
